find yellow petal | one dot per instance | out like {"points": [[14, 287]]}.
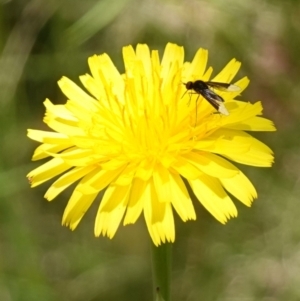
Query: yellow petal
{"points": [[61, 120], [144, 170], [206, 76], [92, 85], [196, 69], [143, 54], [161, 181], [77, 206], [219, 144], [258, 155], [173, 54], [47, 171], [126, 177], [47, 137], [158, 216], [238, 146], [228, 72], [110, 78], [253, 124], [240, 187], [75, 156], [186, 169], [59, 112], [75, 93], [45, 150], [212, 196], [241, 111], [111, 210], [66, 180], [98, 180], [211, 164], [180, 198], [136, 201]]}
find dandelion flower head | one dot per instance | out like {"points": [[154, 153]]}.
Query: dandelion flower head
{"points": [[135, 136]]}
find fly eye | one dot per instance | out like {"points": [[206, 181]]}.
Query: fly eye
{"points": [[189, 85]]}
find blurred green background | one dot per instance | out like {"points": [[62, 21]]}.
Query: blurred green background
{"points": [[253, 257]]}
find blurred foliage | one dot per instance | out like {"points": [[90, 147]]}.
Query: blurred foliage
{"points": [[254, 257]]}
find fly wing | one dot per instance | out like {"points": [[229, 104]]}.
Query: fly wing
{"points": [[223, 86], [222, 109], [215, 100]]}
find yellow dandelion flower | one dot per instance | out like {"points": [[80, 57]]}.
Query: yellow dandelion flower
{"points": [[136, 137]]}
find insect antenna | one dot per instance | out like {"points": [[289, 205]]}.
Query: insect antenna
{"points": [[187, 90]]}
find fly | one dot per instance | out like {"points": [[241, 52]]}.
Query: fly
{"points": [[204, 89]]}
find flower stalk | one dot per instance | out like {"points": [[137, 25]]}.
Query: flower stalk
{"points": [[161, 270]]}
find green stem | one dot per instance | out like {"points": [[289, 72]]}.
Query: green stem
{"points": [[161, 269]]}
